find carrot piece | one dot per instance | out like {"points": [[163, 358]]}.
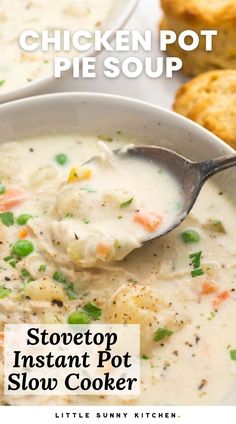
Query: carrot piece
{"points": [[11, 198], [208, 288], [149, 220], [23, 233], [103, 249], [221, 297]]}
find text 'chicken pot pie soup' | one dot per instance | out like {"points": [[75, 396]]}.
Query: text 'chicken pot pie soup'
{"points": [[18, 68], [66, 228]]}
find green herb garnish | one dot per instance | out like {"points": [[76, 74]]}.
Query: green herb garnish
{"points": [[27, 277], [197, 272], [4, 292], [145, 357], [196, 259], [190, 236], [162, 333], [67, 285], [93, 311], [23, 219], [233, 354], [127, 203], [212, 315], [7, 219], [42, 268], [86, 221], [196, 262], [2, 82], [2, 188], [69, 215]]}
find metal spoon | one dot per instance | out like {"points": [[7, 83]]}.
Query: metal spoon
{"points": [[190, 175]]}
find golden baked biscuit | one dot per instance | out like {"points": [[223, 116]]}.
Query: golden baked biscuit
{"points": [[210, 100], [197, 15]]}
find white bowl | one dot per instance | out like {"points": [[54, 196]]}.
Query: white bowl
{"points": [[106, 114], [121, 12]]}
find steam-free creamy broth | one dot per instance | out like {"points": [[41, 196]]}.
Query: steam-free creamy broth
{"points": [[17, 67], [180, 288], [109, 207]]}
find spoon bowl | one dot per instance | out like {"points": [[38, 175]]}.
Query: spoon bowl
{"points": [[190, 176]]}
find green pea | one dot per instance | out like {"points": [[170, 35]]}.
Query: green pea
{"points": [[23, 248], [78, 318], [61, 158], [23, 219], [190, 236]]}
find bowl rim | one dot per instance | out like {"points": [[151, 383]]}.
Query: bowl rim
{"points": [[44, 83], [211, 138]]}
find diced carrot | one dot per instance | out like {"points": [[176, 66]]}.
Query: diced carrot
{"points": [[11, 198], [149, 220], [220, 298], [23, 233], [208, 288], [103, 249]]}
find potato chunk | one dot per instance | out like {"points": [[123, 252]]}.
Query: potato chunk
{"points": [[135, 304], [44, 289]]}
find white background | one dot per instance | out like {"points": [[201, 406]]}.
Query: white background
{"points": [[159, 91]]}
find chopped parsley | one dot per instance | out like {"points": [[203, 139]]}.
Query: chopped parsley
{"points": [[11, 260], [145, 357], [7, 219], [2, 82], [127, 203], [2, 188], [190, 236], [27, 277], [23, 219], [42, 268], [212, 315], [233, 354], [196, 262], [4, 292], [196, 259], [162, 333], [67, 285], [69, 215], [197, 272], [93, 311]]}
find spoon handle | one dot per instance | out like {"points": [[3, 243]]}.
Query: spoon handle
{"points": [[211, 167]]}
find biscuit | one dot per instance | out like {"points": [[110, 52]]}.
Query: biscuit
{"points": [[210, 100], [196, 15]]}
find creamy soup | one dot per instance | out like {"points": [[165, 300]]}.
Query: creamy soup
{"points": [[104, 210], [180, 288], [17, 67]]}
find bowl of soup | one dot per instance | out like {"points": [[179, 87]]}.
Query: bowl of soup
{"points": [[60, 253], [24, 73]]}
